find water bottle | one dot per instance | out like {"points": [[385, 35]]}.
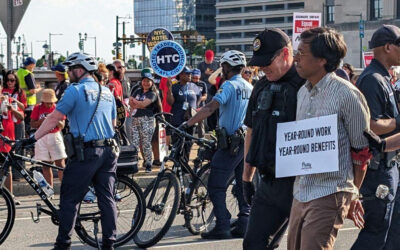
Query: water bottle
{"points": [[43, 183], [15, 106]]}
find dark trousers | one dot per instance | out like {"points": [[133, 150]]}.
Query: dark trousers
{"points": [[188, 144], [223, 165], [269, 213], [98, 168], [382, 217]]}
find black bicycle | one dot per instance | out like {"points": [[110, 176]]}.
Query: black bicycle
{"points": [[180, 189], [127, 193]]}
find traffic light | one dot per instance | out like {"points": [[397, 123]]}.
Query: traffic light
{"points": [[81, 44], [119, 56]]}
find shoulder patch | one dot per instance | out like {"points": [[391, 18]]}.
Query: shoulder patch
{"points": [[256, 44]]}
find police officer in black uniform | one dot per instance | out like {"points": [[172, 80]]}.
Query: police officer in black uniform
{"points": [[272, 101], [95, 157], [382, 207]]}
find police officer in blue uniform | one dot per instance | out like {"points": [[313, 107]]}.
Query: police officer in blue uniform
{"points": [[91, 111], [231, 99], [382, 211]]}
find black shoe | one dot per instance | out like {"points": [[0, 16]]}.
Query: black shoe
{"points": [[216, 234], [238, 232], [59, 246], [157, 163]]}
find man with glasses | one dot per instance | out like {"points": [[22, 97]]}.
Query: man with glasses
{"points": [[273, 100], [382, 213]]}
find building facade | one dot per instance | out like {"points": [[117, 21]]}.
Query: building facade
{"points": [[239, 21], [175, 15]]}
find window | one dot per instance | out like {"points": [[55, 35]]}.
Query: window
{"points": [[229, 11], [289, 32], [253, 9], [230, 35], [229, 23], [273, 7], [290, 19], [275, 20], [330, 14], [248, 47], [253, 21], [375, 9], [223, 48], [296, 5], [252, 34]]}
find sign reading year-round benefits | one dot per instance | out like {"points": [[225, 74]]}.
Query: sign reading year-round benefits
{"points": [[307, 146], [167, 58], [156, 36]]}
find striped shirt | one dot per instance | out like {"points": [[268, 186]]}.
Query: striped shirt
{"points": [[333, 95]]}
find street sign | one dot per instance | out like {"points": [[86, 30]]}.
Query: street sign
{"points": [[362, 27], [15, 12], [167, 58], [302, 22], [156, 36], [119, 44]]}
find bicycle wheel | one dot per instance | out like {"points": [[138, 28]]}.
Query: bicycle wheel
{"points": [[7, 214], [161, 213], [232, 203], [201, 207], [131, 207]]}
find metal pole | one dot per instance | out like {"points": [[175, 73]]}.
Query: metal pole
{"points": [[50, 54], [95, 47], [143, 54], [9, 31], [123, 42], [361, 57], [116, 39]]}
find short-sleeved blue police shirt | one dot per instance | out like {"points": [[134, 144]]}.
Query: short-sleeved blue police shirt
{"points": [[233, 98], [189, 93], [79, 103]]}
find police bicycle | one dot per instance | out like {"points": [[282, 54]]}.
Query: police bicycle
{"points": [[180, 189], [127, 193]]}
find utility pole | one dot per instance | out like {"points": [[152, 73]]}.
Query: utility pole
{"points": [[116, 38], [9, 37], [123, 42], [51, 53], [81, 41]]}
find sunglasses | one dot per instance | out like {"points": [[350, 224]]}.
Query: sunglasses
{"points": [[247, 72], [10, 80]]}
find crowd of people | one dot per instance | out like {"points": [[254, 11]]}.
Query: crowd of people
{"points": [[241, 103]]}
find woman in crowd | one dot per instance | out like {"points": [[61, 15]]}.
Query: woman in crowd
{"points": [[349, 69], [144, 102], [103, 72], [247, 74]]}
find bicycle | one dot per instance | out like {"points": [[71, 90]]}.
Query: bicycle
{"points": [[130, 204], [171, 193]]}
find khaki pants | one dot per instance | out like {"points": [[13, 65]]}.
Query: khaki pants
{"points": [[314, 225]]}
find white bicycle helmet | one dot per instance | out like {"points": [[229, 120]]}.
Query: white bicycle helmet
{"points": [[85, 60], [233, 58]]}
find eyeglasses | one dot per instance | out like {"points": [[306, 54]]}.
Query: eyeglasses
{"points": [[247, 72], [10, 80]]}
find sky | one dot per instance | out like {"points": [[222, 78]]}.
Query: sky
{"points": [[69, 17]]}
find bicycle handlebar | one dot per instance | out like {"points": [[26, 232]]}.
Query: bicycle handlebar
{"points": [[181, 133]]}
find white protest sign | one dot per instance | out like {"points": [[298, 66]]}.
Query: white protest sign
{"points": [[302, 22], [307, 146], [162, 142]]}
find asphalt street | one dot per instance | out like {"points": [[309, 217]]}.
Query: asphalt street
{"points": [[28, 235]]}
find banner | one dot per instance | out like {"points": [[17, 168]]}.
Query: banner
{"points": [[307, 146], [167, 58], [156, 36], [367, 58], [302, 22]]}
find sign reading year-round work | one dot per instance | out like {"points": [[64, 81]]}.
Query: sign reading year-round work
{"points": [[156, 36], [167, 58]]}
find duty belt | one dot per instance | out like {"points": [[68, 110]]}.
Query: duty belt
{"points": [[98, 143]]}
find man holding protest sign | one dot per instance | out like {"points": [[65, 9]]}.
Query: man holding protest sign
{"points": [[273, 100], [323, 200], [381, 211]]}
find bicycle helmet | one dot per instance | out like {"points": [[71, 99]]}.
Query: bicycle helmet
{"points": [[233, 58], [85, 60]]}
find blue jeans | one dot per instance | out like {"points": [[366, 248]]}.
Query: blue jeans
{"points": [[382, 216], [223, 165], [98, 168]]}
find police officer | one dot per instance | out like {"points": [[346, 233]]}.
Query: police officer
{"points": [[231, 99], [95, 153], [273, 100], [382, 214]]}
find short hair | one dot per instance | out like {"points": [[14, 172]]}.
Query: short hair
{"points": [[102, 68], [119, 61], [326, 43]]}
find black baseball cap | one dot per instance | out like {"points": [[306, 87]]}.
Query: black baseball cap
{"points": [[385, 34], [266, 44]]}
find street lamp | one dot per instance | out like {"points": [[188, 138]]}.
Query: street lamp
{"points": [[361, 26], [95, 45], [51, 55]]}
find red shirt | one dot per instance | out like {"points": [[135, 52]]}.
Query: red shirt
{"points": [[164, 88], [40, 111], [20, 96], [115, 87]]}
